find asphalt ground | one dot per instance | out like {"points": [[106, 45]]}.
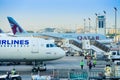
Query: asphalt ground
{"points": [[57, 68]]}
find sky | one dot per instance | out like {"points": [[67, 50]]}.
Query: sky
{"points": [[70, 14]]}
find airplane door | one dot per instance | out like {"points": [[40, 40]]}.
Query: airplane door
{"points": [[35, 46]]}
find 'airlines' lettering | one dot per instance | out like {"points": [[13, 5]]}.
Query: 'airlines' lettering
{"points": [[22, 42]]}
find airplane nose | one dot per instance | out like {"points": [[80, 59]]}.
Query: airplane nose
{"points": [[61, 52]]}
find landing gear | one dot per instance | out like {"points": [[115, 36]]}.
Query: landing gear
{"points": [[34, 69], [39, 67]]}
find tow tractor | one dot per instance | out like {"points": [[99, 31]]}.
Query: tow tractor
{"points": [[11, 77]]}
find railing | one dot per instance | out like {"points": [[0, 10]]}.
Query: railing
{"points": [[81, 75], [77, 44], [100, 45]]}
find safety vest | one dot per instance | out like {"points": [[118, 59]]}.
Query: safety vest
{"points": [[81, 63], [108, 71], [94, 62], [13, 72]]}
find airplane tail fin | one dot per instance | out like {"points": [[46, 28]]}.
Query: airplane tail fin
{"points": [[1, 31], [16, 28]]}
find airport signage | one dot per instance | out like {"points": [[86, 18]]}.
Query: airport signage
{"points": [[21, 42], [88, 37]]}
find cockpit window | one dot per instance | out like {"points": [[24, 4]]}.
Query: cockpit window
{"points": [[50, 45], [47, 45]]}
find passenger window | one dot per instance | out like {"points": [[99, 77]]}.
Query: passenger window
{"points": [[113, 53], [8, 45], [17, 45], [24, 45], [14, 45], [118, 53], [4, 45], [27, 45]]}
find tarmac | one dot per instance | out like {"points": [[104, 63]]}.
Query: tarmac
{"points": [[57, 68]]}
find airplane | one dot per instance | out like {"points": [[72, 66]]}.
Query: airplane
{"points": [[29, 49], [19, 31]]}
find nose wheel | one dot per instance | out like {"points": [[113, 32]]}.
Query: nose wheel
{"points": [[39, 67]]}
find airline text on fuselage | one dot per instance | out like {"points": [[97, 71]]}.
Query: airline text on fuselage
{"points": [[15, 42], [88, 37]]}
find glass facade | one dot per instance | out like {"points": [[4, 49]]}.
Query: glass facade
{"points": [[101, 21]]}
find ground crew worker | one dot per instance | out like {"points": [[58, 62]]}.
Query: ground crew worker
{"points": [[107, 70], [94, 62], [13, 72], [81, 64], [8, 76], [90, 65]]}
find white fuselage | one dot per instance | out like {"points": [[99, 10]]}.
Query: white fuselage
{"points": [[28, 49]]}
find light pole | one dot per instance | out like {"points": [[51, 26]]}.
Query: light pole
{"points": [[84, 24], [115, 22], [89, 24], [105, 22], [96, 22]]}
